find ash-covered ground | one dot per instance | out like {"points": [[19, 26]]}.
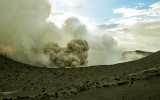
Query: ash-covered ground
{"points": [[125, 81]]}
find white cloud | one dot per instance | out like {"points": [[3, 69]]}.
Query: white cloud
{"points": [[130, 12], [59, 18], [136, 32], [70, 4], [141, 4], [155, 5]]}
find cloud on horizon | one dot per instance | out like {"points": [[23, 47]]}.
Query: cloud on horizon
{"points": [[153, 11], [136, 29]]}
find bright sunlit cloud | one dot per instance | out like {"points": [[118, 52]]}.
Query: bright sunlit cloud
{"points": [[154, 11], [130, 23]]}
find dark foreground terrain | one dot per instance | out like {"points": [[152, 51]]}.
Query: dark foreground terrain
{"points": [[135, 80]]}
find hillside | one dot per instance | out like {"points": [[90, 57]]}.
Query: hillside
{"points": [[21, 80]]}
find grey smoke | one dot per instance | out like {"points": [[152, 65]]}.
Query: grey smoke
{"points": [[104, 48], [35, 41], [75, 55]]}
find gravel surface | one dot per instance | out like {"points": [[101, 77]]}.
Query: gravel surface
{"points": [[25, 82]]}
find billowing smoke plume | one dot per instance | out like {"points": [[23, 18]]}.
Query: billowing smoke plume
{"points": [[103, 48], [26, 36], [23, 27], [75, 55]]}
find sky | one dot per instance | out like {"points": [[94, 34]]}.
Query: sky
{"points": [[109, 27], [98, 10], [135, 24]]}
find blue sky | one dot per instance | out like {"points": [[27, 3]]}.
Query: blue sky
{"points": [[99, 9], [106, 7]]}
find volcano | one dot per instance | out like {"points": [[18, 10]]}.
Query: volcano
{"points": [[137, 79]]}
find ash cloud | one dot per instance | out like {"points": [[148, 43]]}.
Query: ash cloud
{"points": [[75, 55], [104, 48], [33, 40]]}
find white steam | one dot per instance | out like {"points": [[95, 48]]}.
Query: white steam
{"points": [[131, 56], [23, 26], [103, 48], [32, 40]]}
